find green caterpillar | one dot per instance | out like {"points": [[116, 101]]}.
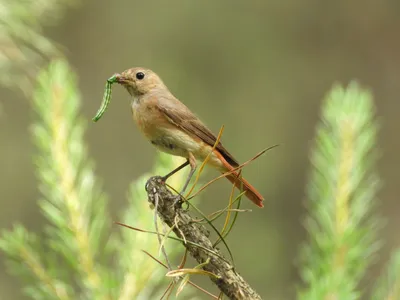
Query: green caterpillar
{"points": [[106, 98]]}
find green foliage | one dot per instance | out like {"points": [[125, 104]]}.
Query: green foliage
{"points": [[23, 45], [342, 221], [72, 261], [40, 271]]}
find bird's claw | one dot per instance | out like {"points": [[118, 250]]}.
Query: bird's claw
{"points": [[177, 202]]}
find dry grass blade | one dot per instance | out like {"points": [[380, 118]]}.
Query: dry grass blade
{"points": [[234, 218], [177, 227], [180, 288], [182, 272], [231, 210], [216, 214], [169, 289], [171, 284], [238, 200], [160, 240], [205, 161], [187, 272], [134, 228], [232, 171], [228, 212], [189, 282], [165, 238], [203, 290], [157, 260], [183, 261], [174, 238]]}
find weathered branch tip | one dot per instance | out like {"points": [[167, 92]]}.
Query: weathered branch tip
{"points": [[185, 227]]}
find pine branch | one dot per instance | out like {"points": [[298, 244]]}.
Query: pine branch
{"points": [[24, 260], [73, 202], [341, 195], [23, 46], [197, 242], [68, 181]]}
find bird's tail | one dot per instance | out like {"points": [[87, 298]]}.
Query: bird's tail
{"points": [[250, 193], [241, 183]]}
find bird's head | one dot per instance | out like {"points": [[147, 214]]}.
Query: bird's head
{"points": [[139, 81]]}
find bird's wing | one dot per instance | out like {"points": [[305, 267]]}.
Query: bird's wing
{"points": [[182, 117]]}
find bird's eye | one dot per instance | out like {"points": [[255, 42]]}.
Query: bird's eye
{"points": [[140, 75]]}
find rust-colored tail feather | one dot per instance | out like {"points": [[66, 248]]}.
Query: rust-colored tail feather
{"points": [[250, 193], [240, 182]]}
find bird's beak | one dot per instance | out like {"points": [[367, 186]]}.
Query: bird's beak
{"points": [[121, 79]]}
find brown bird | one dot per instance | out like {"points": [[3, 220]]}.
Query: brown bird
{"points": [[173, 128]]}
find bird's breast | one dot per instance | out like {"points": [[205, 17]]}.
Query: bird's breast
{"points": [[147, 117]]}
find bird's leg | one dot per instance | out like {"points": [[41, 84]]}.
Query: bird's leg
{"points": [[164, 178], [193, 166]]}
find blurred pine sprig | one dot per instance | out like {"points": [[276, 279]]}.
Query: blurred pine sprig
{"points": [[342, 221], [73, 261], [24, 47]]}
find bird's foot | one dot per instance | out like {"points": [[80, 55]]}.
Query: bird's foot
{"points": [[163, 180], [177, 201]]}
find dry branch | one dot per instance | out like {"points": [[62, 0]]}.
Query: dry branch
{"points": [[184, 226]]}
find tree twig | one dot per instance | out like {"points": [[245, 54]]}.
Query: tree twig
{"points": [[228, 281]]}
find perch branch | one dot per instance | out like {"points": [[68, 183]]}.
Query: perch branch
{"points": [[228, 280]]}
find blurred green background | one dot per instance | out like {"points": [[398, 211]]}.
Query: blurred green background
{"points": [[261, 68]]}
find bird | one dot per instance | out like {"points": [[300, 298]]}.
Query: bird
{"points": [[172, 128]]}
